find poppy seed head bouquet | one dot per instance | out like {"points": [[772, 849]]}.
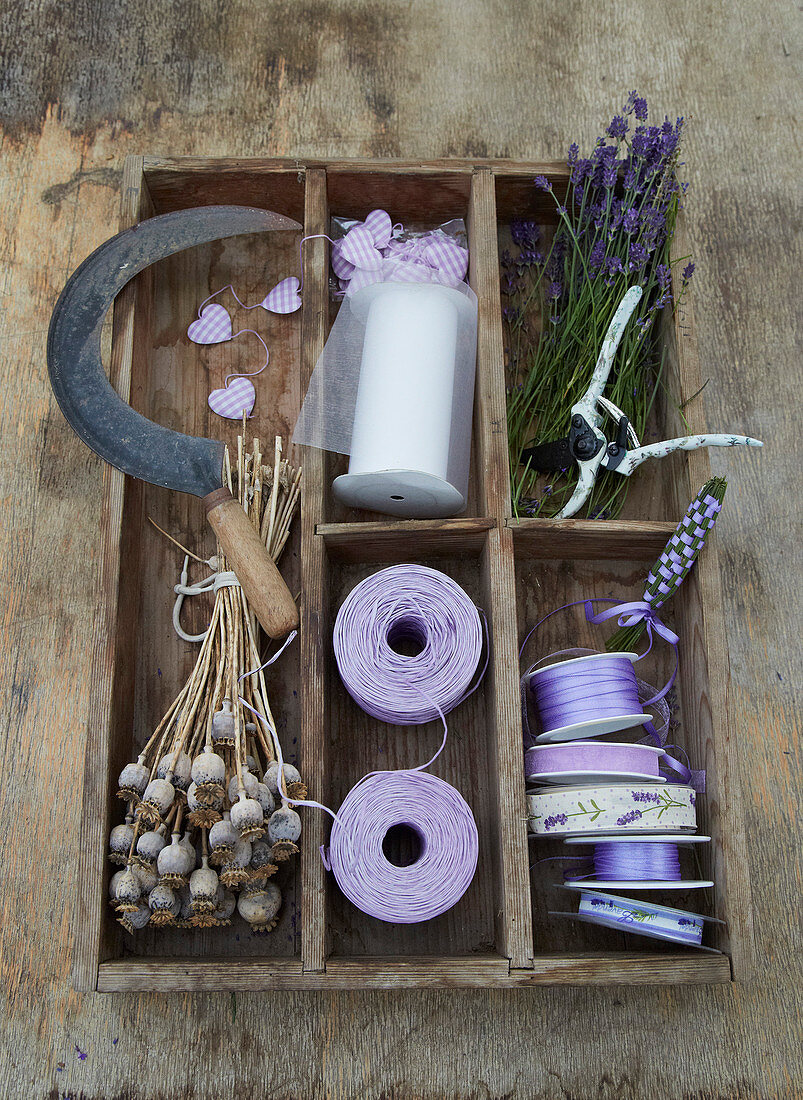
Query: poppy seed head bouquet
{"points": [[615, 224]]}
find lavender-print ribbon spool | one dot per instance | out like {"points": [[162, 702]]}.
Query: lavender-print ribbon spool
{"points": [[644, 918], [572, 811]]}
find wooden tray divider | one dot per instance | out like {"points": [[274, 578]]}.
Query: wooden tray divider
{"points": [[314, 588], [514, 933], [113, 660], [705, 673]]}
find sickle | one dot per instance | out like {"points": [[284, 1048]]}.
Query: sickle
{"points": [[128, 440]]}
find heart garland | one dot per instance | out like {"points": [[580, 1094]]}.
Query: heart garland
{"points": [[213, 326]]}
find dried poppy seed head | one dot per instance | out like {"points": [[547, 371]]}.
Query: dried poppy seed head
{"points": [[246, 817], [120, 841], [209, 775], [147, 878], [135, 919], [203, 889], [261, 907], [113, 881], [222, 838], [132, 782], [261, 865], [292, 781], [128, 891], [161, 902], [202, 815], [181, 769], [235, 871], [175, 863], [265, 799], [149, 845], [156, 801], [250, 783], [223, 725], [226, 904]]}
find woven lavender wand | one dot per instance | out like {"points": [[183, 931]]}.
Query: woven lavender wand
{"points": [[677, 558]]}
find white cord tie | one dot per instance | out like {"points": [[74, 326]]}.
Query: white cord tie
{"points": [[213, 583]]}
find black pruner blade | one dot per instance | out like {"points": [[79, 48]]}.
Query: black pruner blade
{"points": [[548, 457]]}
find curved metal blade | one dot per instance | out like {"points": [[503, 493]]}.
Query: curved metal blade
{"points": [[107, 425]]}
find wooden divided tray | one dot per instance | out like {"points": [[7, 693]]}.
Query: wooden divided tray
{"points": [[500, 933]]}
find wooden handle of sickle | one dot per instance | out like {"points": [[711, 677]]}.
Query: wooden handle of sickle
{"points": [[256, 570]]}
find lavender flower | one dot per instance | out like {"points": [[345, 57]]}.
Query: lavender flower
{"points": [[597, 256], [555, 819], [630, 221], [614, 228], [646, 796], [525, 234], [637, 256], [631, 815], [688, 271], [617, 128]]}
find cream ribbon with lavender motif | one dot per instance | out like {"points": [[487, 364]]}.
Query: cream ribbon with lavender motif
{"points": [[636, 808]]}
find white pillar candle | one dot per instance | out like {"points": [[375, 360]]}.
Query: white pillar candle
{"points": [[411, 438]]}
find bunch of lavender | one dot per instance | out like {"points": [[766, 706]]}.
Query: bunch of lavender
{"points": [[677, 558], [615, 227]]}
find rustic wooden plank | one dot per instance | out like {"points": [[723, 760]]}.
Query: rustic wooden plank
{"points": [[473, 972], [385, 542], [113, 663], [314, 589], [705, 672], [589, 538], [514, 921]]}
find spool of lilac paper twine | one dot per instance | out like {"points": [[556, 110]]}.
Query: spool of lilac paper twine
{"points": [[422, 611], [446, 831]]}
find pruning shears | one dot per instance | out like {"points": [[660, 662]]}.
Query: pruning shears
{"points": [[587, 445]]}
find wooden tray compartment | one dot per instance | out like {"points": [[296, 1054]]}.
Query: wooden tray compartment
{"points": [[498, 935]]}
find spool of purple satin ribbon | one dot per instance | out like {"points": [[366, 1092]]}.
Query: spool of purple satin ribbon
{"points": [[441, 820], [574, 761], [587, 696]]}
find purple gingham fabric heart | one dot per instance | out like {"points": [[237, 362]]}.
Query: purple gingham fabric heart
{"points": [[284, 298], [379, 224], [359, 249], [233, 400], [342, 268], [212, 327], [447, 257]]}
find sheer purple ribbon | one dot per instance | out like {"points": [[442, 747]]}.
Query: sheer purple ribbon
{"points": [[629, 614]]}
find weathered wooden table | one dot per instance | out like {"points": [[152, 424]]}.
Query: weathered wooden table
{"points": [[83, 87]]}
